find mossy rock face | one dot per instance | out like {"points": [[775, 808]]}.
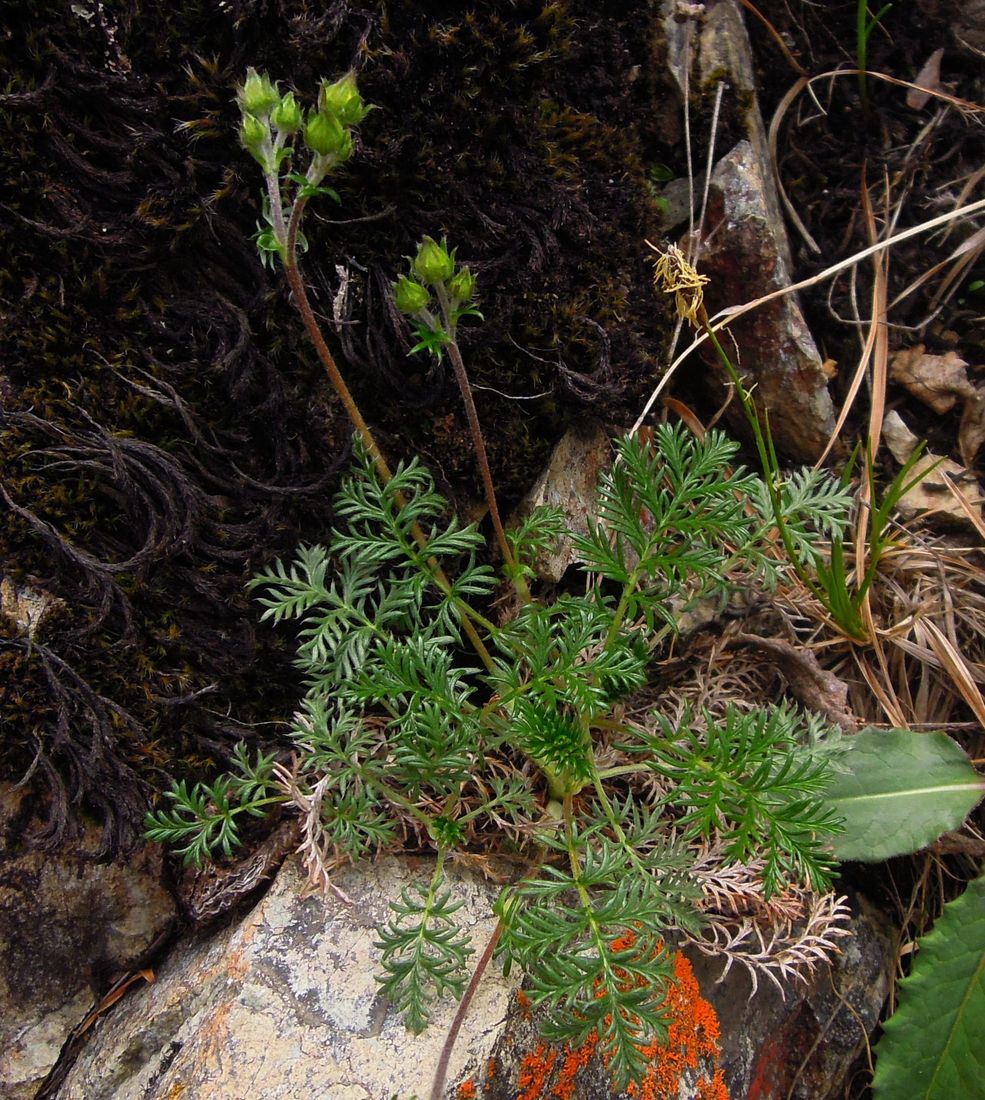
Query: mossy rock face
{"points": [[166, 429]]}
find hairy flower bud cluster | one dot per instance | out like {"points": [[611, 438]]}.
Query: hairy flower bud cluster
{"points": [[326, 129], [286, 116], [258, 100], [433, 263], [410, 296], [342, 100], [258, 95], [433, 266]]}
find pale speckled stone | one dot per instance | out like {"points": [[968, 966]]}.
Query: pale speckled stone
{"points": [[25, 607], [285, 1005]]}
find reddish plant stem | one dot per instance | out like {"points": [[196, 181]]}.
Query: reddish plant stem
{"points": [[296, 284], [441, 1072], [475, 428]]}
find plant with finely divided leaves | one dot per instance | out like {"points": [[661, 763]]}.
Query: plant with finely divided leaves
{"points": [[521, 746], [398, 726]]}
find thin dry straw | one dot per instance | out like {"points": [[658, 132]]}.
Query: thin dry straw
{"points": [[725, 316]]}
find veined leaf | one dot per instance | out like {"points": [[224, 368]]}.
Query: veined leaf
{"points": [[898, 791], [931, 1048]]}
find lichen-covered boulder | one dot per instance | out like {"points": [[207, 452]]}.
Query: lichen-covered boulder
{"points": [[285, 1004]]}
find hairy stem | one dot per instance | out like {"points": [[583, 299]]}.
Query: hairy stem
{"points": [[462, 378]]}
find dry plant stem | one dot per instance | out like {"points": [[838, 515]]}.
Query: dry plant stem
{"points": [[366, 437], [441, 1071]]}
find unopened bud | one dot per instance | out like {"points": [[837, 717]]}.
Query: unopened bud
{"points": [[258, 95], [325, 135], [462, 285], [342, 99], [433, 262], [255, 136], [409, 295], [286, 115]]}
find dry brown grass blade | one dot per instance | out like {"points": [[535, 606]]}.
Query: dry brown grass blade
{"points": [[724, 317], [877, 685], [878, 341], [772, 140], [880, 350], [776, 36], [963, 105], [969, 185], [964, 256], [112, 997], [954, 664], [802, 84], [974, 516]]}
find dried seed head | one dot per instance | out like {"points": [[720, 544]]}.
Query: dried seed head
{"points": [[675, 274]]}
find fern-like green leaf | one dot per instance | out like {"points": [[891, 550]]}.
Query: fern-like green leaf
{"points": [[424, 952]]}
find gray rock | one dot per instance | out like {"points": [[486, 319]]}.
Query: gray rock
{"points": [[25, 607], [801, 1045], [68, 928], [745, 252], [285, 1004], [774, 349], [568, 482]]}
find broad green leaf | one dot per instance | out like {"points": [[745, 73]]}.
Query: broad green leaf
{"points": [[898, 791], [932, 1047]]}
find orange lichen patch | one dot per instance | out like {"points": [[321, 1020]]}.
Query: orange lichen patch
{"points": [[572, 1065], [535, 1071], [524, 1002], [715, 1089], [466, 1091], [692, 1036], [623, 942], [691, 1044], [491, 1068]]}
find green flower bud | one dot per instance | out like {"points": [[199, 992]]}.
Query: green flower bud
{"points": [[258, 95], [433, 262], [409, 295], [255, 136], [287, 115], [342, 99], [325, 135], [462, 285]]}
